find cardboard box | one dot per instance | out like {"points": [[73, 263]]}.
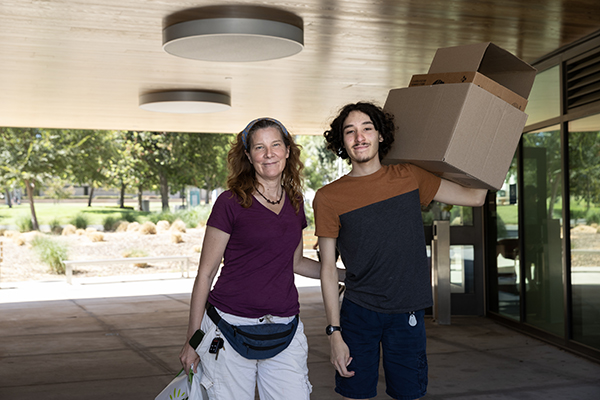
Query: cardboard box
{"points": [[489, 60], [471, 77], [459, 131]]}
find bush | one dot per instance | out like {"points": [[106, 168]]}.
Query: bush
{"points": [[55, 227], [592, 217], [50, 252], [110, 223], [162, 216], [80, 221], [133, 253], [147, 228], [24, 223], [129, 217], [69, 230], [178, 226]]}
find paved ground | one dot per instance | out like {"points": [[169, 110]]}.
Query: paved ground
{"points": [[113, 340]]}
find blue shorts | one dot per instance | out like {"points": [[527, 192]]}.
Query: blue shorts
{"points": [[404, 354]]}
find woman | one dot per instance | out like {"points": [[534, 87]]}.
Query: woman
{"points": [[256, 228]]}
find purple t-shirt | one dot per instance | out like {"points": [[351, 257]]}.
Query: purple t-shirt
{"points": [[257, 277]]}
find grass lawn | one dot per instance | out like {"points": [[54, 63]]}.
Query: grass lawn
{"points": [[508, 214], [65, 212]]}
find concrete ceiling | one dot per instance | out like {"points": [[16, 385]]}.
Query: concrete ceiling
{"points": [[84, 63]]}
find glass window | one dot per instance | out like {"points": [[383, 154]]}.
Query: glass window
{"points": [[461, 268], [507, 245], [462, 259], [457, 215], [542, 228], [544, 99], [584, 186]]}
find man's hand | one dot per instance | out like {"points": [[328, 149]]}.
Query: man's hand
{"points": [[340, 355]]}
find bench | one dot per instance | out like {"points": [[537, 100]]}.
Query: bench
{"points": [[183, 260]]}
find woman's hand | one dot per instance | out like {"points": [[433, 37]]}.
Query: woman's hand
{"points": [[189, 357]]}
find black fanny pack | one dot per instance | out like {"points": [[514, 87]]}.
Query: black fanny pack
{"points": [[255, 342]]}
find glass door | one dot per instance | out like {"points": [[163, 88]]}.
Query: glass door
{"points": [[466, 254]]}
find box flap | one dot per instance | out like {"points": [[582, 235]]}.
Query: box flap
{"points": [[471, 77], [489, 60]]}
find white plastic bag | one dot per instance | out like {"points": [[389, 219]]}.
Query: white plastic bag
{"points": [[178, 389], [184, 387], [197, 391]]}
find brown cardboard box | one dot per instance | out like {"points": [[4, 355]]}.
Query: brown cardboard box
{"points": [[471, 77], [489, 60], [458, 131]]}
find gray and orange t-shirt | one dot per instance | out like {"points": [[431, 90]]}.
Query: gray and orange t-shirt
{"points": [[377, 222]]}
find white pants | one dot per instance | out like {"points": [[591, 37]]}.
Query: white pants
{"points": [[231, 376]]}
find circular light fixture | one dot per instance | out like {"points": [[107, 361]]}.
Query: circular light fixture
{"points": [[185, 101], [233, 38]]}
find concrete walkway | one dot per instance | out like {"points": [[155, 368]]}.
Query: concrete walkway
{"points": [[108, 339]]}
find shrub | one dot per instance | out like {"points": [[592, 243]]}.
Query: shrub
{"points": [[95, 236], [163, 225], [162, 216], [110, 223], [147, 228], [50, 252], [55, 227], [178, 226], [132, 253], [592, 217], [80, 221], [129, 217], [122, 226], [133, 226], [191, 217], [69, 229], [176, 237], [24, 223]]}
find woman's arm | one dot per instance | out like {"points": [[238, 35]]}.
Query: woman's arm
{"points": [[213, 248], [310, 268]]}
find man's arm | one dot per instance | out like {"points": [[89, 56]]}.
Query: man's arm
{"points": [[453, 193], [340, 354]]}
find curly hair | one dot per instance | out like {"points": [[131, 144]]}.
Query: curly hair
{"points": [[383, 122], [242, 176]]}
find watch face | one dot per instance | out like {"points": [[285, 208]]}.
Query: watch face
{"points": [[330, 329]]}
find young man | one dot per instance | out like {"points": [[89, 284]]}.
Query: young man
{"points": [[373, 217]]}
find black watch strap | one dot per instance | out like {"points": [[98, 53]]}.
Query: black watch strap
{"points": [[330, 329]]}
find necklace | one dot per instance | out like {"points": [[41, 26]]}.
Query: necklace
{"points": [[271, 201]]}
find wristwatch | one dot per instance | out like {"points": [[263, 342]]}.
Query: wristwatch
{"points": [[330, 329]]}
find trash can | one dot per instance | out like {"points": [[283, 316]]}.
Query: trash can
{"points": [[146, 205]]}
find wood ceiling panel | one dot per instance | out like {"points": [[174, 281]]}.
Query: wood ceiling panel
{"points": [[83, 64]]}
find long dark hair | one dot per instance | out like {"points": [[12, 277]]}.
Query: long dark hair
{"points": [[383, 122]]}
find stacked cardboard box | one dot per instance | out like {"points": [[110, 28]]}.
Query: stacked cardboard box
{"points": [[463, 120]]}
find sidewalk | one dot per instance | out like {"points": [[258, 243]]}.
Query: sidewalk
{"points": [[120, 338]]}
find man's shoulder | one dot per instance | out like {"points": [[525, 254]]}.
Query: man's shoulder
{"points": [[331, 186]]}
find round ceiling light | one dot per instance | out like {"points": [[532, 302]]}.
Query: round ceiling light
{"points": [[185, 102], [233, 39]]}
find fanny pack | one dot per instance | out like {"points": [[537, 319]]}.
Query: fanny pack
{"points": [[255, 342]]}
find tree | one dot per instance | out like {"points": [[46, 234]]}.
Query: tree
{"points": [[584, 166], [31, 156], [321, 166], [155, 150], [206, 160], [89, 162]]}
